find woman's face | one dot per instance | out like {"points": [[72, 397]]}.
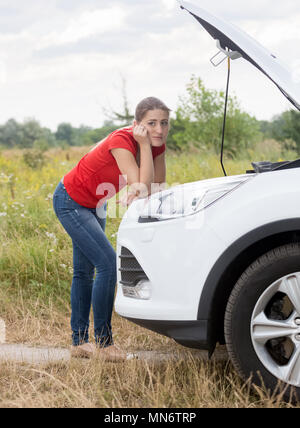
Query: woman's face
{"points": [[157, 124]]}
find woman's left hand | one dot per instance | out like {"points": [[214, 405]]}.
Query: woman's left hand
{"points": [[127, 199]]}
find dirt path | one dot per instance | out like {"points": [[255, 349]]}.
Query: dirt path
{"points": [[42, 355]]}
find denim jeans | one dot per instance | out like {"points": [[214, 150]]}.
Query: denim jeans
{"points": [[91, 250]]}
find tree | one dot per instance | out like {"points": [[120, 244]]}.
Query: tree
{"points": [[10, 134], [31, 131], [48, 138], [199, 120], [65, 133], [294, 129], [124, 118], [286, 128], [95, 135]]}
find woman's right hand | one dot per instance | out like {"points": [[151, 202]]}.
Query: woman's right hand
{"points": [[140, 134]]}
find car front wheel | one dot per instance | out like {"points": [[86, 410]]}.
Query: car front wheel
{"points": [[262, 321]]}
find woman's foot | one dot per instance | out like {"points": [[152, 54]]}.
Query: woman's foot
{"points": [[86, 350], [111, 353]]}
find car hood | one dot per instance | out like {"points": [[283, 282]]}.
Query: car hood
{"points": [[234, 39]]}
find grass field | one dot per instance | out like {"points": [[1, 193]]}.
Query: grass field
{"points": [[35, 277]]}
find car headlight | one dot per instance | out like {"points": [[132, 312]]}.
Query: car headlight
{"points": [[189, 198]]}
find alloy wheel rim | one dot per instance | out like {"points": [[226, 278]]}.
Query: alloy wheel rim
{"points": [[275, 329]]}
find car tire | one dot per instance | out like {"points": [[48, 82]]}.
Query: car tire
{"points": [[262, 322]]}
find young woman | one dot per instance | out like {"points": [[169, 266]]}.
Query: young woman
{"points": [[133, 156]]}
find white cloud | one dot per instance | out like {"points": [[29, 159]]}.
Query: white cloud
{"points": [[296, 70], [169, 4], [87, 24], [3, 72], [235, 10], [14, 37], [61, 60], [275, 31]]}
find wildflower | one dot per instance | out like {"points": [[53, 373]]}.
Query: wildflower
{"points": [[3, 214], [52, 236], [16, 205], [5, 178], [63, 265]]}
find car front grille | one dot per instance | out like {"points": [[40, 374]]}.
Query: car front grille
{"points": [[131, 270]]}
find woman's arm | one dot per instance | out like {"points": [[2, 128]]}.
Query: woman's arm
{"points": [[159, 173], [146, 168], [129, 168], [160, 168], [140, 178]]}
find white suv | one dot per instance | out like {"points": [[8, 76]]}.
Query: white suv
{"points": [[218, 260]]}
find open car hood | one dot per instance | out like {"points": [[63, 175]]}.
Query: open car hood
{"points": [[234, 39]]}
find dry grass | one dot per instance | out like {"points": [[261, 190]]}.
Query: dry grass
{"points": [[185, 382], [138, 384], [35, 276]]}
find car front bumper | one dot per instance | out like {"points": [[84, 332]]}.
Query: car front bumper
{"points": [[175, 256], [192, 334]]}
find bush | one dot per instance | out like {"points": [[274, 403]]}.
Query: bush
{"points": [[34, 158], [199, 120]]}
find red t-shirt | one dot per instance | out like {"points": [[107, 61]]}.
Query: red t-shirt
{"points": [[97, 176]]}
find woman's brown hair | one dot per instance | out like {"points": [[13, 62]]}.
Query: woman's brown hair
{"points": [[149, 103]]}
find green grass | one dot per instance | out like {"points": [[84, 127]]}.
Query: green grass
{"points": [[35, 277]]}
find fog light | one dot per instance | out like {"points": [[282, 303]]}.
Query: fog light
{"points": [[142, 290]]}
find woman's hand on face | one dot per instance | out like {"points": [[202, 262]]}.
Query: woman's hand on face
{"points": [[140, 134]]}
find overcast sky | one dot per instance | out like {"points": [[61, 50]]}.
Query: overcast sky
{"points": [[63, 60]]}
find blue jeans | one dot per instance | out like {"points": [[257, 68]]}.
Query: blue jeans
{"points": [[91, 250]]}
